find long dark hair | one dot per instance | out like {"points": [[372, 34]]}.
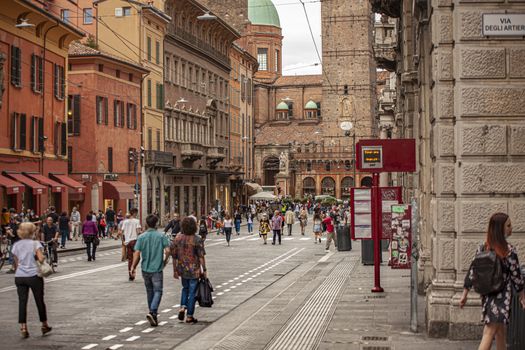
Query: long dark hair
{"points": [[496, 235]]}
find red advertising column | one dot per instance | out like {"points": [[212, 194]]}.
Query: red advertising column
{"points": [[376, 232]]}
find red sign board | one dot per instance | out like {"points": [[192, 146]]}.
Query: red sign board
{"points": [[385, 156], [401, 240]]}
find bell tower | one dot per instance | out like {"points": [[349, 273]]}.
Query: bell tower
{"points": [[348, 67]]}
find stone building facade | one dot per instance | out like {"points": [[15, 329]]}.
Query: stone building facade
{"points": [[197, 109], [460, 96]]}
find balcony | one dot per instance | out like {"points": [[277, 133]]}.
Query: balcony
{"points": [[191, 40], [158, 159], [192, 151]]}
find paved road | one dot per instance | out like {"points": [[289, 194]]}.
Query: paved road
{"points": [[292, 296]]}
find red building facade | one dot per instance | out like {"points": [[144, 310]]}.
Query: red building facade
{"points": [[104, 107], [33, 92]]}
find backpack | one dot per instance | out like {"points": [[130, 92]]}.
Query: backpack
{"points": [[487, 272]]}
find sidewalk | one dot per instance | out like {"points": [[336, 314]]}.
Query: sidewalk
{"points": [[105, 244]]}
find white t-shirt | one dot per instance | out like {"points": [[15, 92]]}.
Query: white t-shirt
{"points": [[129, 228], [25, 253]]}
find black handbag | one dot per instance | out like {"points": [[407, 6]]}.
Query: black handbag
{"points": [[204, 290]]}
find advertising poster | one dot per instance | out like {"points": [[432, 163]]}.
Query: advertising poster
{"points": [[361, 207], [389, 196], [401, 243]]}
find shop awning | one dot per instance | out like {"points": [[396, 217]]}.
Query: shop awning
{"points": [[11, 186], [253, 187], [37, 188], [55, 186], [117, 190], [69, 182]]}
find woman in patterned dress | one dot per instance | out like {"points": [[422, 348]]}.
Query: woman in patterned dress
{"points": [[496, 307]]}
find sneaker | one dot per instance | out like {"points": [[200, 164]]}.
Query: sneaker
{"points": [[152, 320], [319, 240], [327, 250]]}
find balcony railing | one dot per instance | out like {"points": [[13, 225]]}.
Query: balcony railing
{"points": [[158, 158], [192, 151], [216, 153], [199, 44]]}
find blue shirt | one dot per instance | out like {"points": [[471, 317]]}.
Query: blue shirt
{"points": [[151, 245]]}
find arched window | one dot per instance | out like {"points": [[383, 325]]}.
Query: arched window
{"points": [[366, 181], [346, 184], [328, 186], [308, 186]]}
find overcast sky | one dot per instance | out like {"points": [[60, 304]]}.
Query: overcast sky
{"points": [[299, 54]]}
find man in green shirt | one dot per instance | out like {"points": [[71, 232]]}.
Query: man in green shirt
{"points": [[153, 247]]}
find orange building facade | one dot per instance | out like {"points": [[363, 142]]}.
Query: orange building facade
{"points": [[33, 123]]}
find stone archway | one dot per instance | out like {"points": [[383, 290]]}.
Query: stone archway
{"points": [[328, 186], [309, 186], [270, 170], [346, 184]]}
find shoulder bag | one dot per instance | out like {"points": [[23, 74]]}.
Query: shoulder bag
{"points": [[44, 269]]}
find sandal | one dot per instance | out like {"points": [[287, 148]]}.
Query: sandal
{"points": [[191, 320], [46, 329], [24, 332], [181, 315]]}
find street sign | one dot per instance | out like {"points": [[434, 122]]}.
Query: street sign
{"points": [[388, 155], [401, 241], [503, 24], [372, 157]]}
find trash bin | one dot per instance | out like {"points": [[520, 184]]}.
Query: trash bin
{"points": [[367, 252], [343, 238], [515, 334]]}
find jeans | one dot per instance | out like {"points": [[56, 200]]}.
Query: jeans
{"points": [[153, 282], [64, 234], [278, 233], [228, 233], [23, 284], [91, 248], [238, 226], [250, 228], [109, 228], [187, 299], [289, 229]]}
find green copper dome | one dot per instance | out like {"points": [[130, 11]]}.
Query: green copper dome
{"points": [[263, 12], [282, 106], [310, 105]]}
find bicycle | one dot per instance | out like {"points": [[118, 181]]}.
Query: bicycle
{"points": [[48, 258]]}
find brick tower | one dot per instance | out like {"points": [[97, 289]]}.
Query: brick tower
{"points": [[348, 68]]}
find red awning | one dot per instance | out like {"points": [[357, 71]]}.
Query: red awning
{"points": [[11, 186], [69, 182], [55, 186], [117, 190], [37, 188]]}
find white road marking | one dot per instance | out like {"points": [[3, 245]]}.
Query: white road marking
{"points": [[233, 287], [71, 275], [220, 293], [124, 330], [218, 286], [166, 310], [254, 239], [305, 239], [174, 317], [239, 284], [326, 257], [162, 323], [225, 283], [89, 346], [116, 346], [230, 281], [148, 330], [227, 290], [236, 278], [140, 322], [133, 338], [176, 305], [109, 337], [288, 238]]}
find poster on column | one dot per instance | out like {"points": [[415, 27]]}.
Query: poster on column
{"points": [[401, 244]]}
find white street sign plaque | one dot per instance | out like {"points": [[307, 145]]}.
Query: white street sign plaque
{"points": [[502, 24]]}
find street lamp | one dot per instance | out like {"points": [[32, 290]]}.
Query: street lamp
{"points": [[207, 16], [136, 157], [24, 24], [347, 126], [182, 100]]}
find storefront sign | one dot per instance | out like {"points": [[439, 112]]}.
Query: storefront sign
{"points": [[401, 243], [502, 24]]}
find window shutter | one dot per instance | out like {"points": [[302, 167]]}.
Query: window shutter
{"points": [[63, 139], [33, 70], [62, 82], [13, 65], [134, 115], [40, 60], [56, 140], [13, 131], [76, 115], [98, 110], [106, 111], [32, 133], [55, 80], [41, 134], [115, 113], [23, 133]]}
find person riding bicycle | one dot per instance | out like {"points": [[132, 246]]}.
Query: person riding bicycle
{"points": [[50, 237], [173, 226]]}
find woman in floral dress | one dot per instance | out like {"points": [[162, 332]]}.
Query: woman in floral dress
{"points": [[496, 307]]}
